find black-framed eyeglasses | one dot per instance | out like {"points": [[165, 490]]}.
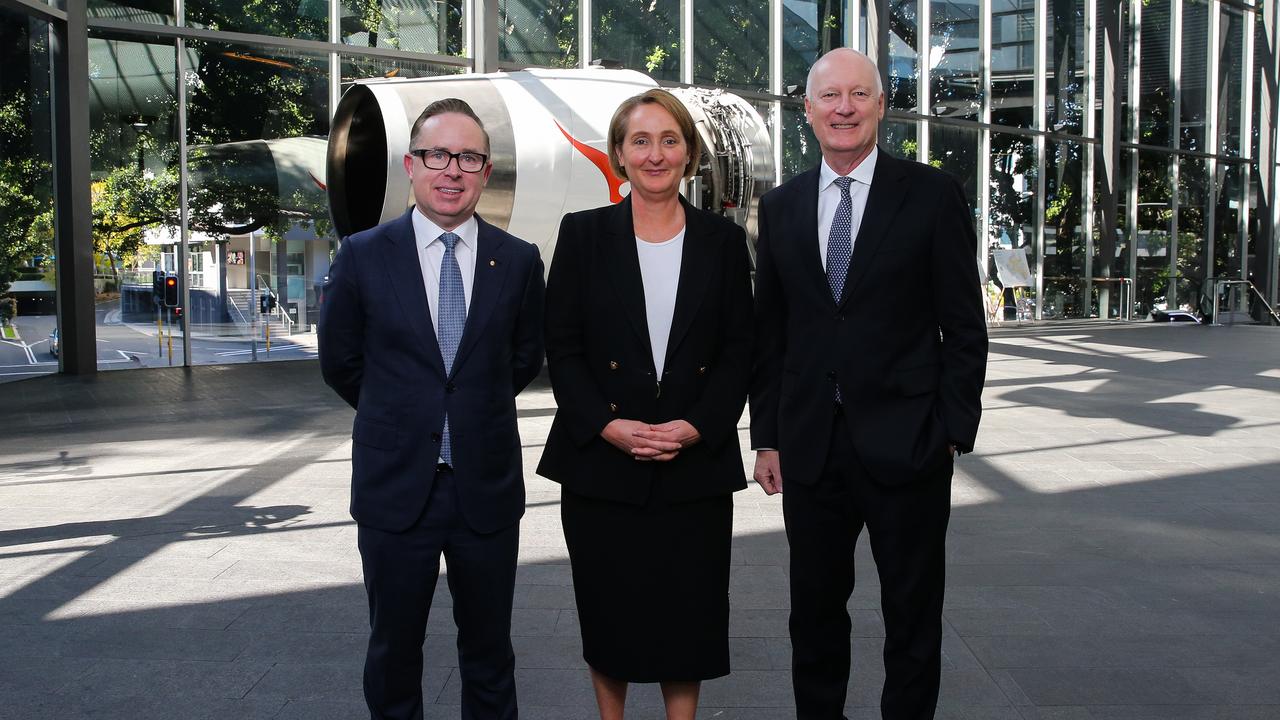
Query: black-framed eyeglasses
{"points": [[436, 159]]}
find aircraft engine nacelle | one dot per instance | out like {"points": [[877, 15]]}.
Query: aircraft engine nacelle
{"points": [[547, 131]]}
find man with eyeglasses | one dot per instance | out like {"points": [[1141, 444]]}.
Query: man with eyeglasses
{"points": [[432, 324]]}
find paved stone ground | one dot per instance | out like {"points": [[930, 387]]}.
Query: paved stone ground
{"points": [[176, 544]]}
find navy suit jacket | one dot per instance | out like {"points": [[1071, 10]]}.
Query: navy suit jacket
{"points": [[907, 343], [378, 350]]}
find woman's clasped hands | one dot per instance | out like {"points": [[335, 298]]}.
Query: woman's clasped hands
{"points": [[648, 442]]}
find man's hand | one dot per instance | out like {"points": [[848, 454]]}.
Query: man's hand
{"points": [[628, 436], [768, 472]]}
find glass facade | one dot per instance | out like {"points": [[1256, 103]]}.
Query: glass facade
{"points": [[1127, 181]]}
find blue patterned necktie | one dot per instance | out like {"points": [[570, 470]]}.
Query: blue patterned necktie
{"points": [[452, 312], [840, 240], [840, 247]]}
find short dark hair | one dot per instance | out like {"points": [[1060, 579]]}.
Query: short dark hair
{"points": [[665, 100], [448, 105]]}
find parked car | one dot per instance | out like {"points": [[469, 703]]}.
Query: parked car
{"points": [[1175, 316], [54, 344]]}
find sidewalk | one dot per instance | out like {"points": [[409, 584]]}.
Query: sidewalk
{"points": [[176, 544]]}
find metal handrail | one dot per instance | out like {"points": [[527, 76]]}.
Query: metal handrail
{"points": [[277, 311], [1235, 282], [1126, 288]]}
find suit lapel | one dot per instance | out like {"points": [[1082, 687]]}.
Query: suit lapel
{"points": [[888, 190], [696, 260], [405, 270], [486, 286], [623, 261], [804, 218]]}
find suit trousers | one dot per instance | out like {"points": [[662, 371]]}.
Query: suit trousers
{"points": [[400, 574], [907, 526]]}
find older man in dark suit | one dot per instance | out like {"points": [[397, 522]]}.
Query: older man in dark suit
{"points": [[432, 323], [869, 369]]}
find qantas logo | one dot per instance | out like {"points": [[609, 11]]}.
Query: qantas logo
{"points": [[600, 160]]}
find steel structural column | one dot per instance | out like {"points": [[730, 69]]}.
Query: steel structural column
{"points": [[69, 51], [184, 177], [1175, 170], [585, 47], [878, 43], [1214, 57], [484, 35], [1246, 146], [775, 85], [1269, 118], [1107, 153], [983, 251], [1088, 152], [686, 41], [924, 95], [1131, 187], [1040, 88]]}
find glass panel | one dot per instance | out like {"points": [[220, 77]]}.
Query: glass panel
{"points": [[134, 164], [809, 29], [362, 68], [1195, 73], [539, 32], [1155, 102], [1110, 250], [28, 294], [1064, 244], [799, 147], [638, 34], [1230, 67], [259, 214], [430, 26], [900, 139], [306, 19], [1065, 75], [1010, 221], [955, 149], [728, 47], [1226, 222], [955, 71], [137, 11], [1155, 231], [1013, 44], [904, 62], [1193, 200]]}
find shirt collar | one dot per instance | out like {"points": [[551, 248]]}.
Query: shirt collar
{"points": [[428, 232], [863, 173]]}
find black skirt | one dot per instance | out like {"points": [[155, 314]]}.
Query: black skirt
{"points": [[652, 586]]}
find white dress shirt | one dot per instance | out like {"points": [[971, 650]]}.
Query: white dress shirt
{"points": [[431, 253], [660, 272], [829, 198]]}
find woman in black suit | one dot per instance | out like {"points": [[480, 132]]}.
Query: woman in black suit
{"points": [[648, 320]]}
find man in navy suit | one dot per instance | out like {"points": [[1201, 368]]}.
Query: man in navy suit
{"points": [[432, 324], [871, 356]]}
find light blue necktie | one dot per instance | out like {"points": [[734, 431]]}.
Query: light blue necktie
{"points": [[840, 246], [452, 313]]}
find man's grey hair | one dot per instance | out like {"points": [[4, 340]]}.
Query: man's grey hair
{"points": [[808, 83]]}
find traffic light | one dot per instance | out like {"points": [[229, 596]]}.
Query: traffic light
{"points": [[268, 302], [157, 285], [171, 290]]}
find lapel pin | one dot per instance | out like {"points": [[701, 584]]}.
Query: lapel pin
{"points": [[493, 263]]}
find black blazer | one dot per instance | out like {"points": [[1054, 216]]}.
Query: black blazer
{"points": [[907, 344], [378, 350], [601, 361]]}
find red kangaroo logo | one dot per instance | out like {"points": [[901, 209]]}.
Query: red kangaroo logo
{"points": [[600, 160]]}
